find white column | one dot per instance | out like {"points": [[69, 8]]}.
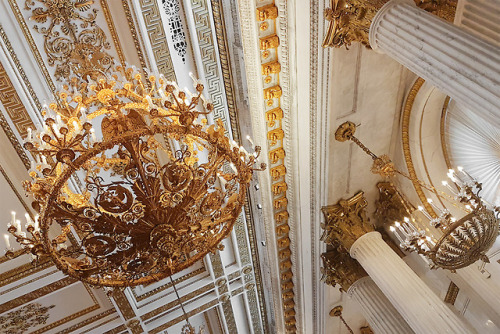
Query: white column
{"points": [[480, 18], [458, 63], [415, 301], [377, 309]]}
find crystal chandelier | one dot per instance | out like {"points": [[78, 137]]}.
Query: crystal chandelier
{"points": [[160, 185], [458, 241]]}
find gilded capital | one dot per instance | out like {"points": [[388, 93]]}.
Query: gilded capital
{"points": [[345, 221], [339, 268], [350, 20]]}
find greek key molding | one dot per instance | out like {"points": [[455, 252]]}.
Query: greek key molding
{"points": [[152, 19], [209, 60]]}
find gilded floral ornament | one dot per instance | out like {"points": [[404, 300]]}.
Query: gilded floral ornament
{"points": [[73, 42], [24, 318]]}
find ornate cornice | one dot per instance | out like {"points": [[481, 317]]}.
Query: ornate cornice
{"points": [[274, 62]]}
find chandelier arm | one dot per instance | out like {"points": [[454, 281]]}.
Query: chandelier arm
{"points": [[441, 194]]}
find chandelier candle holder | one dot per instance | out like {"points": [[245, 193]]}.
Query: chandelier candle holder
{"points": [[461, 238], [159, 188]]}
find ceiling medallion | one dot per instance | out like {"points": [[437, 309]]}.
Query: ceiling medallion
{"points": [[464, 231], [162, 187]]}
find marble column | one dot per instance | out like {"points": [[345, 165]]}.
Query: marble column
{"points": [[348, 227], [457, 62], [377, 309], [480, 18], [340, 269], [415, 301]]}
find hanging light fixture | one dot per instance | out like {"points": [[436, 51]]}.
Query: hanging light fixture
{"points": [[337, 312], [162, 187], [461, 240], [187, 328]]}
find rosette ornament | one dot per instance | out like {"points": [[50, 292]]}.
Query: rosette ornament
{"points": [[131, 180]]}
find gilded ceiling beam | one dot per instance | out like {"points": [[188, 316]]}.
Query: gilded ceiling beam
{"points": [[350, 20]]}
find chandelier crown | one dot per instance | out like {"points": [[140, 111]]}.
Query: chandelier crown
{"points": [[162, 183]]}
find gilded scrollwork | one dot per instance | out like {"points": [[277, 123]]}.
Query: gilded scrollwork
{"points": [[73, 42], [24, 318]]}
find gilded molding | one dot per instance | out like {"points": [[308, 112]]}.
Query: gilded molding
{"points": [[23, 271], [117, 330], [20, 69], [273, 95], [451, 294], [209, 59], [167, 285], [67, 319], [35, 294], [224, 58], [37, 277], [16, 112], [444, 142], [34, 49], [123, 304], [137, 38], [346, 221], [405, 135], [165, 308], [112, 30], [90, 320]]}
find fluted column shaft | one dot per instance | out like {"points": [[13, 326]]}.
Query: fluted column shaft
{"points": [[377, 309], [458, 63], [415, 301]]}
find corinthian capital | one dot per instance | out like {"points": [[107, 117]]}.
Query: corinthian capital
{"points": [[350, 20], [346, 221]]}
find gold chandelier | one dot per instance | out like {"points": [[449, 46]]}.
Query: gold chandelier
{"points": [[460, 241], [162, 187]]}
